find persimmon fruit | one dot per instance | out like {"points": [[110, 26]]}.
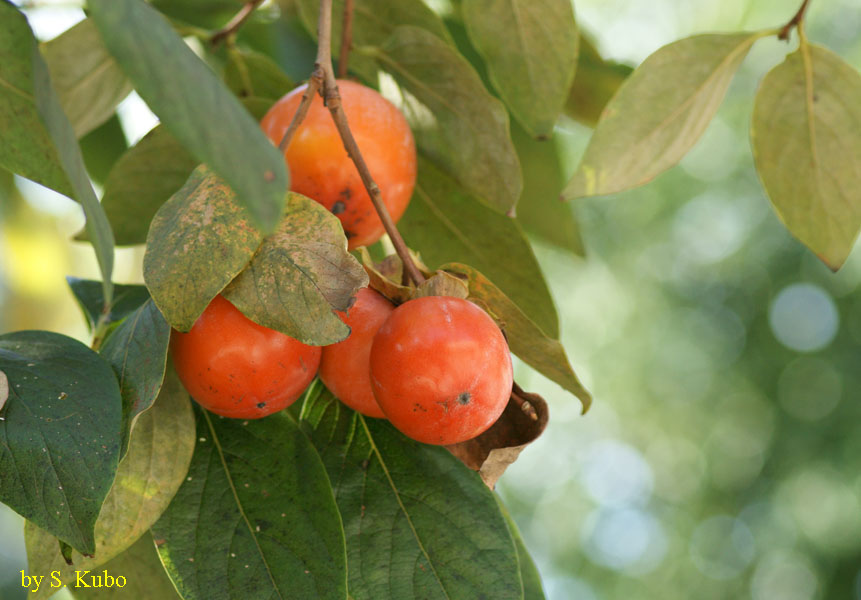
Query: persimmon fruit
{"points": [[440, 370], [321, 169], [344, 367], [236, 368]]}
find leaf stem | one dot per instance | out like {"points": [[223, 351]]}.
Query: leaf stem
{"points": [[346, 39], [332, 100], [100, 330], [794, 22], [235, 23]]}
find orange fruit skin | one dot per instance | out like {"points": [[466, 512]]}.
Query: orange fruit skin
{"points": [[236, 368], [441, 370], [345, 366], [321, 169]]}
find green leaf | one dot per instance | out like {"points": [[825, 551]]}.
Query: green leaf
{"points": [[143, 572], [26, 146], [102, 147], [141, 181], [659, 113], [525, 338], [194, 105], [89, 83], [300, 275], [596, 81], [255, 518], [88, 293], [60, 440], [532, 588], [257, 107], [36, 139], [446, 224], [806, 137], [540, 210], [419, 524], [530, 47], [198, 241], [147, 479], [210, 14], [373, 22], [457, 123], [253, 74], [137, 350]]}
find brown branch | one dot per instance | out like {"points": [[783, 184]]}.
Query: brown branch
{"points": [[314, 84], [235, 23], [346, 39], [332, 99], [794, 22]]}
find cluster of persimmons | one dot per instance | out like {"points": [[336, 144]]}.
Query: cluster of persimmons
{"points": [[437, 367]]}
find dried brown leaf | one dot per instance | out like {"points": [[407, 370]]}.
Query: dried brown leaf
{"points": [[524, 419]]}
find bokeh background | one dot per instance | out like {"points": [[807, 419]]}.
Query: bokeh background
{"points": [[722, 455]]}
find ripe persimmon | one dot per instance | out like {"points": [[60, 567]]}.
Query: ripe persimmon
{"points": [[321, 169], [441, 370], [236, 368], [344, 367]]}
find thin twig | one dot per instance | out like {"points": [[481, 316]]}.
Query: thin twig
{"points": [[525, 405], [235, 23], [314, 84], [794, 22], [346, 39], [332, 99]]}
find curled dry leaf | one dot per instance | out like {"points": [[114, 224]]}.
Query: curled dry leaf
{"points": [[524, 419], [387, 276], [442, 284], [382, 277]]}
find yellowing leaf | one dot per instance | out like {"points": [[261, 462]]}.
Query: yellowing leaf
{"points": [[658, 114], [198, 241], [806, 136], [300, 275]]}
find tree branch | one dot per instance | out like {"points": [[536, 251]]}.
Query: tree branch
{"points": [[235, 23], [794, 22], [332, 100], [346, 39], [314, 84]]}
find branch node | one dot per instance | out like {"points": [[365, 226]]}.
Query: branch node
{"points": [[332, 99], [794, 22]]}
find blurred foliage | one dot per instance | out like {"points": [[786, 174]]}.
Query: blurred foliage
{"points": [[722, 455]]}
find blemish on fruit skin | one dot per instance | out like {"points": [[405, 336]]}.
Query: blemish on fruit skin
{"points": [[338, 208], [261, 405], [464, 398]]}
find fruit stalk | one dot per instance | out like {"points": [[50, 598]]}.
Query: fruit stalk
{"points": [[332, 100]]}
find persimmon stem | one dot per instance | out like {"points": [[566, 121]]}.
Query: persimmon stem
{"points": [[346, 39], [794, 21], [332, 100], [235, 23], [314, 84]]}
